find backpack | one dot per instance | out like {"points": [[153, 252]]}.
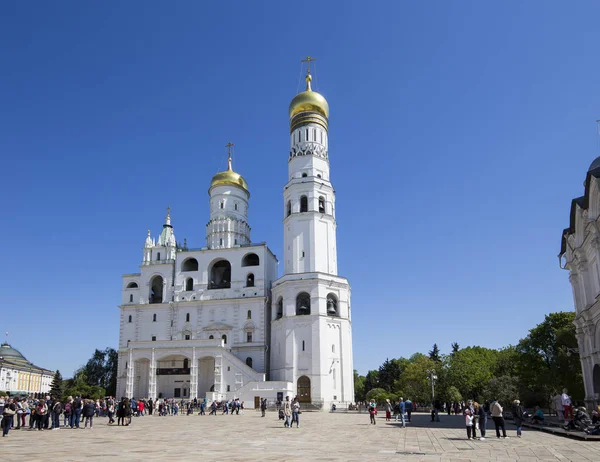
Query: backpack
{"points": [[67, 408]]}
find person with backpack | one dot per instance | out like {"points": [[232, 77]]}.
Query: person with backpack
{"points": [[76, 408], [56, 411], [41, 412], [8, 414], [67, 412]]}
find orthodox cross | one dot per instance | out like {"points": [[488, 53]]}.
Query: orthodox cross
{"points": [[229, 146], [308, 60]]}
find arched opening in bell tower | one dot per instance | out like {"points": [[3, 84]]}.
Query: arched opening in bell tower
{"points": [[220, 275], [156, 290], [303, 204], [303, 304]]}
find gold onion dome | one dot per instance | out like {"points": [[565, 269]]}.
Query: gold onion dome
{"points": [[229, 177], [309, 100]]}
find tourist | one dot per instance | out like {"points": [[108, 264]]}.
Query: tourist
{"points": [[287, 412], [372, 411], [202, 407], [8, 414], [388, 410], [56, 411], [296, 412], [76, 408], [518, 415], [409, 408], [110, 410], [498, 419], [263, 406], [556, 405], [469, 422], [538, 416], [150, 406], [67, 413], [402, 410], [566, 405], [88, 411], [482, 421], [213, 408], [475, 414], [41, 412]]}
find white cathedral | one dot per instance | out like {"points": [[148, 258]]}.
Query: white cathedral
{"points": [[218, 322]]}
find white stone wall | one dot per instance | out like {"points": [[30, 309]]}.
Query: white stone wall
{"points": [[582, 260]]}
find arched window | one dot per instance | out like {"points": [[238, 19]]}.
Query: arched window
{"points": [[129, 318], [235, 206], [154, 317], [250, 280], [249, 314], [303, 345], [191, 264], [289, 208], [279, 308], [224, 337], [250, 260], [189, 284], [186, 363], [157, 256], [187, 317], [303, 204], [220, 275], [333, 348], [304, 175], [321, 204], [132, 285], [130, 298], [211, 337], [249, 361], [332, 305], [303, 304], [156, 290]]}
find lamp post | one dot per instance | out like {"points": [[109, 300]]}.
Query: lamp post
{"points": [[432, 377]]}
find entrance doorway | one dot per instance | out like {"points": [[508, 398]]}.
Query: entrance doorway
{"points": [[257, 402], [303, 389], [596, 379]]}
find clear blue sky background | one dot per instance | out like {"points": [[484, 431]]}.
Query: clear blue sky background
{"points": [[460, 132]]}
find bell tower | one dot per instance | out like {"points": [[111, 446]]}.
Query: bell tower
{"points": [[311, 328]]}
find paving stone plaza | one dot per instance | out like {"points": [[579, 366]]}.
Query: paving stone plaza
{"points": [[321, 436]]}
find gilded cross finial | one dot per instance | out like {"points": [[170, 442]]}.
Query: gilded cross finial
{"points": [[169, 210], [229, 146], [308, 60]]}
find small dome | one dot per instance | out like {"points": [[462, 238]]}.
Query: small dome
{"points": [[229, 177], [309, 101], [8, 352], [594, 165]]}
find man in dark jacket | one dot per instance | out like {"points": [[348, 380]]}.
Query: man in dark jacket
{"points": [[56, 411], [76, 410]]}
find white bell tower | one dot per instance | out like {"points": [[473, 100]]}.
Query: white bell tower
{"points": [[311, 328]]}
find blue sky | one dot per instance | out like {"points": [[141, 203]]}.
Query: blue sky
{"points": [[459, 133]]}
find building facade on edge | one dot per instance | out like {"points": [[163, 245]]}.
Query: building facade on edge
{"points": [[580, 255], [217, 322], [18, 376]]}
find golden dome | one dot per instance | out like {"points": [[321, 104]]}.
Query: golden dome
{"points": [[229, 177], [309, 100]]}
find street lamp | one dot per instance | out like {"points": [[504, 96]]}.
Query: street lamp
{"points": [[432, 377]]}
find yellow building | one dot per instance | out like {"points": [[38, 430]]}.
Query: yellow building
{"points": [[18, 376]]}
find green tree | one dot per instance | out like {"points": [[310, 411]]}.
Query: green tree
{"points": [[544, 363], [57, 386], [434, 354], [378, 394], [101, 370], [79, 386], [455, 347], [470, 369], [359, 386], [453, 395], [414, 381], [504, 389], [388, 373], [371, 380]]}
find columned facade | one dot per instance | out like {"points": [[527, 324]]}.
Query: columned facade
{"points": [[580, 255]]}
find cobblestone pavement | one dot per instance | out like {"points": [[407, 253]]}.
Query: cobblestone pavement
{"points": [[321, 436]]}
